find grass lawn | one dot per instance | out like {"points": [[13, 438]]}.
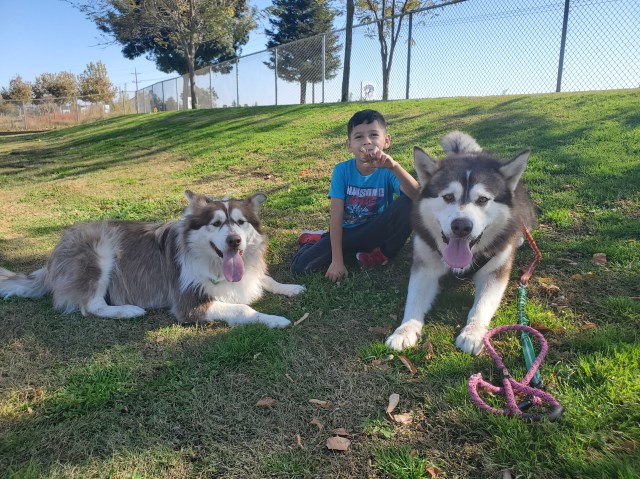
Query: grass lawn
{"points": [[82, 397]]}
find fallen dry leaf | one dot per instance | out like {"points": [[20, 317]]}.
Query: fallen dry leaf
{"points": [[266, 402], [599, 259], [550, 289], [380, 330], [541, 328], [394, 399], [304, 316], [321, 404], [410, 366], [428, 347], [337, 443], [506, 474], [404, 418], [256, 356], [316, 422], [434, 471], [299, 442], [303, 173], [588, 325], [289, 378], [342, 432]]}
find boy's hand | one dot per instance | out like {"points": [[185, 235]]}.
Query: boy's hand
{"points": [[378, 158], [336, 271]]}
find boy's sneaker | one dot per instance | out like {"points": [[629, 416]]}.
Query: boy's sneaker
{"points": [[310, 236], [372, 258]]}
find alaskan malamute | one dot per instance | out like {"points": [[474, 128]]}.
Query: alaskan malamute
{"points": [[207, 266], [468, 219]]}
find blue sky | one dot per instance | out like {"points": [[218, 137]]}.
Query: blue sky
{"points": [[50, 36]]}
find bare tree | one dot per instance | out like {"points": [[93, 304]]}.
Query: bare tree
{"points": [[387, 17]]}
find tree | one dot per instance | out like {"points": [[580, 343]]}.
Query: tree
{"points": [[58, 86], [94, 84], [302, 62], [18, 90], [348, 41], [386, 17], [179, 35]]}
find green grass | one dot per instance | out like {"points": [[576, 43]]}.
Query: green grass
{"points": [[147, 398]]}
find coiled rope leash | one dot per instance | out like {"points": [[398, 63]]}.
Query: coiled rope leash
{"points": [[510, 386]]}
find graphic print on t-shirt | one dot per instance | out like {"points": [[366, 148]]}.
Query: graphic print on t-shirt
{"points": [[361, 203]]}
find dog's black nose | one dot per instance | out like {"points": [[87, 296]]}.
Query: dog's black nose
{"points": [[461, 227], [233, 241]]}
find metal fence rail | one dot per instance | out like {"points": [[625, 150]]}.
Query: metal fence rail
{"points": [[462, 48]]}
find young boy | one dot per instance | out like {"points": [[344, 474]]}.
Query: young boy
{"points": [[366, 221]]}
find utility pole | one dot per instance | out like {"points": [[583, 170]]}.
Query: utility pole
{"points": [[135, 72]]}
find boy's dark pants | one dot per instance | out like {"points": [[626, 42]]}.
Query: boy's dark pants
{"points": [[388, 231]]}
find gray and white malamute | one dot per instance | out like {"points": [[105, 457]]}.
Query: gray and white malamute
{"points": [[468, 219], [207, 266]]}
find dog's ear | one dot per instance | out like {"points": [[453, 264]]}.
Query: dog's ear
{"points": [[512, 171], [256, 200], [424, 164]]}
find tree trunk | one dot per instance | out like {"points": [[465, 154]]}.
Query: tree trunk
{"points": [[303, 92], [346, 71]]}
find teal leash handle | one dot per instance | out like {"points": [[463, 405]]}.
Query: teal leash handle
{"points": [[527, 345]]}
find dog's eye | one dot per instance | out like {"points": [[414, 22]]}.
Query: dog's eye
{"points": [[241, 222], [217, 223], [449, 197], [481, 201]]}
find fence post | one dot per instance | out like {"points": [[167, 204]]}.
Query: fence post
{"points": [[275, 71], [237, 83], [409, 42], [210, 86], [563, 41], [324, 41], [24, 114]]}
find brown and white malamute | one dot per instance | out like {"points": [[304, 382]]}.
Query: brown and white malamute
{"points": [[207, 266], [468, 219]]}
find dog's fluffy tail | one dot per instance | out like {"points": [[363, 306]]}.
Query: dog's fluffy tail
{"points": [[459, 142], [33, 285]]}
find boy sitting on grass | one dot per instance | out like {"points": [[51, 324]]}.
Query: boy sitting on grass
{"points": [[366, 220]]}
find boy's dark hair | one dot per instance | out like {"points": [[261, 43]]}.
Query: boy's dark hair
{"points": [[365, 116]]}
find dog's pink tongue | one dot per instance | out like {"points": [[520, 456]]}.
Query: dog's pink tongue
{"points": [[457, 254], [233, 266]]}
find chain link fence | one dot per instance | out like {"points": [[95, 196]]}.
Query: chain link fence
{"points": [[48, 113], [461, 48]]}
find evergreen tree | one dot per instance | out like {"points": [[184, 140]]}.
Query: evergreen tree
{"points": [[297, 21]]}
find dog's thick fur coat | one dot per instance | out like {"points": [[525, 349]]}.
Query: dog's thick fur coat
{"points": [[207, 266], [468, 219]]}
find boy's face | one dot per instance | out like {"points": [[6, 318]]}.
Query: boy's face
{"points": [[367, 136]]}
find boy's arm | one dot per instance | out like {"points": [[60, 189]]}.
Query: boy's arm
{"points": [[337, 268], [408, 183]]}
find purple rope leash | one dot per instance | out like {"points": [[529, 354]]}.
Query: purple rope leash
{"points": [[510, 386]]}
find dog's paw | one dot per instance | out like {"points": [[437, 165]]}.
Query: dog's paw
{"points": [[127, 311], [405, 336], [273, 321], [470, 339], [293, 289]]}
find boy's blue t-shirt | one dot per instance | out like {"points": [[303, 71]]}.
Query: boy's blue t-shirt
{"points": [[364, 196]]}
